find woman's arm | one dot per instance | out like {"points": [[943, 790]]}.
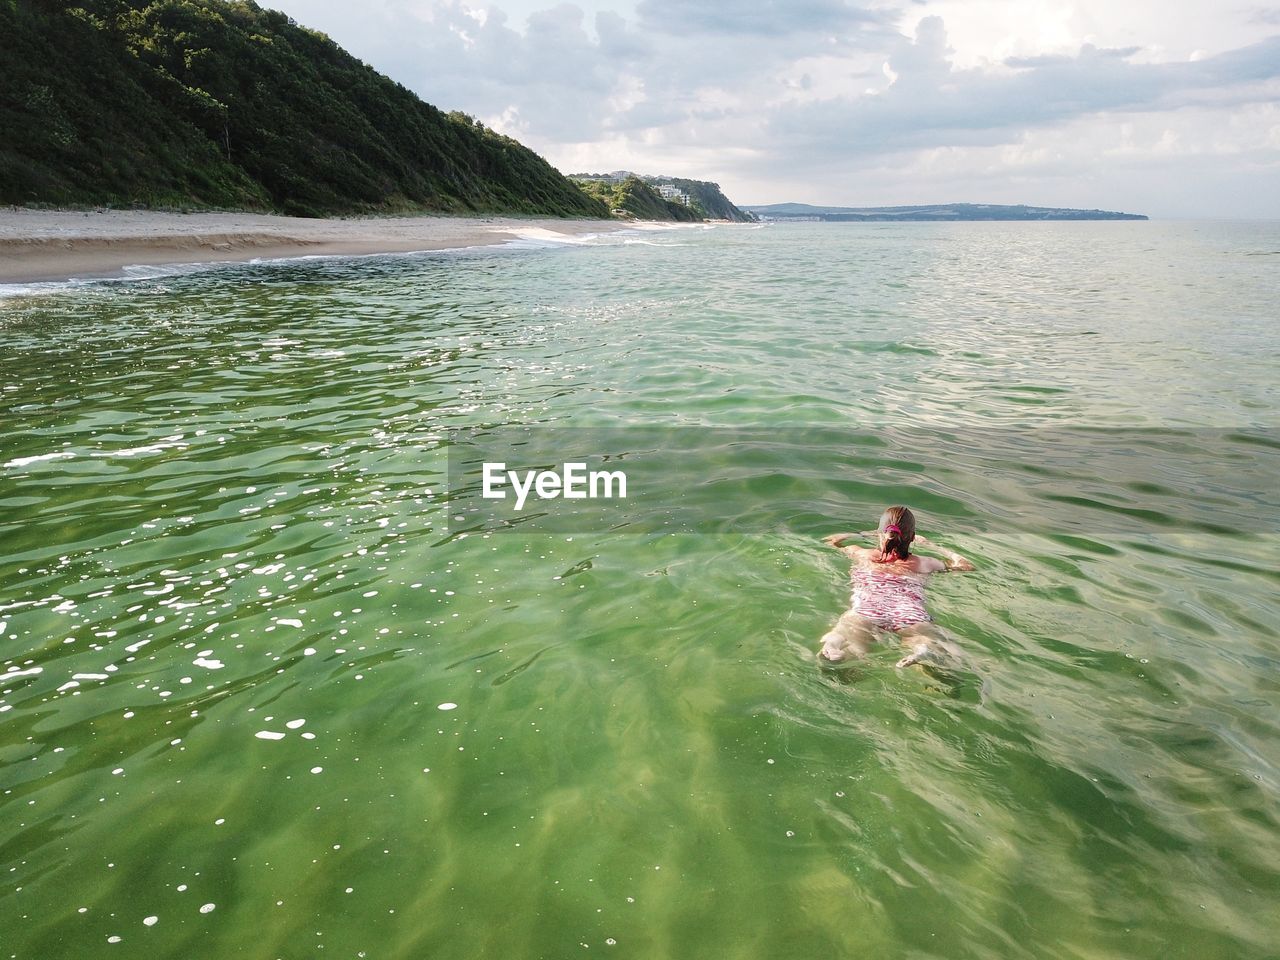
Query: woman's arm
{"points": [[954, 562], [834, 539]]}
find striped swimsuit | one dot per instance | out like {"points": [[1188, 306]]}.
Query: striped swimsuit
{"points": [[888, 600]]}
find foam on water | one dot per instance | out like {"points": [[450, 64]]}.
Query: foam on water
{"points": [[38, 458], [528, 238], [539, 236]]}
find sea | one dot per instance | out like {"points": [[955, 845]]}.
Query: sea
{"points": [[285, 673]]}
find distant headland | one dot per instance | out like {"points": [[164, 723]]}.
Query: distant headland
{"points": [[930, 212], [646, 197]]}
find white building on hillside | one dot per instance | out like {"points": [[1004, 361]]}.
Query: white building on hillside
{"points": [[669, 192]]}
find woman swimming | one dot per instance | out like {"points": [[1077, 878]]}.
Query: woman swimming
{"points": [[888, 594]]}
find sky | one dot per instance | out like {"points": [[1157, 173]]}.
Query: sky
{"points": [[1165, 107]]}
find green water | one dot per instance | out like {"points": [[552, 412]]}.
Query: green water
{"points": [[226, 511]]}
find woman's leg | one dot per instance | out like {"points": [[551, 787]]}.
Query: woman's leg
{"points": [[851, 637], [930, 646]]}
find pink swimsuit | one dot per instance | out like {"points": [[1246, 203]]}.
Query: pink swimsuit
{"points": [[887, 599]]}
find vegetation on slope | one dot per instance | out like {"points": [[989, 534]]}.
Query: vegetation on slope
{"points": [[633, 197], [224, 104], [706, 199]]}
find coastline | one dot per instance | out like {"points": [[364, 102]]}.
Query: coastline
{"points": [[54, 245]]}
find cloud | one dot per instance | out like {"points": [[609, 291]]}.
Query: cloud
{"points": [[553, 78], [1192, 162], [619, 43], [760, 18], [931, 104], [563, 77], [1119, 53], [814, 95]]}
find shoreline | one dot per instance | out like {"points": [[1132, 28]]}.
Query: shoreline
{"points": [[38, 246]]}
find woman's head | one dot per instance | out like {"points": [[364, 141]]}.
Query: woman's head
{"points": [[897, 530]]}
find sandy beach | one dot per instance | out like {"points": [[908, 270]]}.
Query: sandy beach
{"points": [[40, 245]]}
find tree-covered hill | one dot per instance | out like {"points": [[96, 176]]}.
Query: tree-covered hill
{"points": [[632, 196], [705, 198], [224, 104]]}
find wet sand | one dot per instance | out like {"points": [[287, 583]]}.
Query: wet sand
{"points": [[39, 245]]}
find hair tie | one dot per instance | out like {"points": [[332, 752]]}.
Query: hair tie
{"points": [[892, 527]]}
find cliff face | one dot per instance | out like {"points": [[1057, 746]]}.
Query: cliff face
{"points": [[633, 193], [707, 197], [224, 104], [633, 197]]}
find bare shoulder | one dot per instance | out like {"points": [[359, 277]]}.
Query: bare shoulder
{"points": [[930, 565]]}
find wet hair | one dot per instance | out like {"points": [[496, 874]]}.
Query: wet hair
{"points": [[901, 526]]}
